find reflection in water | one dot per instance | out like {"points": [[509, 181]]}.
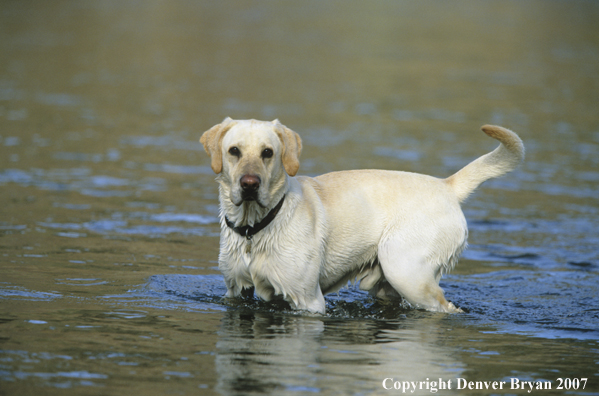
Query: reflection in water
{"points": [[262, 353]]}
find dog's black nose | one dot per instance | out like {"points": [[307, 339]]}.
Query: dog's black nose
{"points": [[250, 183]]}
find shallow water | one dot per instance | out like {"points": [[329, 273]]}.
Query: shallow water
{"points": [[108, 206]]}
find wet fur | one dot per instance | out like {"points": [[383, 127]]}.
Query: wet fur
{"points": [[395, 232]]}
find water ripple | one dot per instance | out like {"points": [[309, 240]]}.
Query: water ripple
{"points": [[18, 292], [514, 302], [518, 302], [105, 226]]}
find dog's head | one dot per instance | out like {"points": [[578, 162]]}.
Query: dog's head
{"points": [[252, 157]]}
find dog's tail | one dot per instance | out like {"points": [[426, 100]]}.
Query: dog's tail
{"points": [[500, 161]]}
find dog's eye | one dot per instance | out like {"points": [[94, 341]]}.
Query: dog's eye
{"points": [[234, 151], [267, 153]]}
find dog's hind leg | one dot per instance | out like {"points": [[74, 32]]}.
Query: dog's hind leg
{"points": [[412, 275]]}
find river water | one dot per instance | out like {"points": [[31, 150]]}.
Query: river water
{"points": [[108, 207]]}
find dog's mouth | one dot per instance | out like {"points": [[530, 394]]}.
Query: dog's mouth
{"points": [[249, 197]]}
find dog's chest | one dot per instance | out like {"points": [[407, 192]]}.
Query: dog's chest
{"points": [[246, 258]]}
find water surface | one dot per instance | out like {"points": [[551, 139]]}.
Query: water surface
{"points": [[108, 206]]}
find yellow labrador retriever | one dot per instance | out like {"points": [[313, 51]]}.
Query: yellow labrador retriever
{"points": [[298, 237]]}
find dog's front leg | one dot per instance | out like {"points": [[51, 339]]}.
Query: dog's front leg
{"points": [[233, 290], [243, 292], [307, 296], [314, 302], [237, 286]]}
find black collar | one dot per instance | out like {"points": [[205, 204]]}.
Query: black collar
{"points": [[248, 231]]}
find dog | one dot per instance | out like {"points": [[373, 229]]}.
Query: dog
{"points": [[394, 232]]}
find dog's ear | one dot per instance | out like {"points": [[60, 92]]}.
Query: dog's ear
{"points": [[212, 140], [292, 148]]}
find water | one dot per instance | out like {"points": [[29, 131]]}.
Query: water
{"points": [[108, 207]]}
